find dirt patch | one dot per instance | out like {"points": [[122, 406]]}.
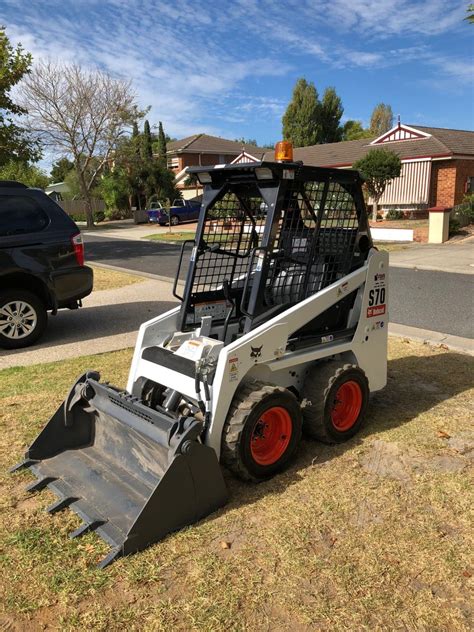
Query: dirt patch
{"points": [[391, 461]]}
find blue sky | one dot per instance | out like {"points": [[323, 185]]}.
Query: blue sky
{"points": [[228, 67]]}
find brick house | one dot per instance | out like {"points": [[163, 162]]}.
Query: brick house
{"points": [[202, 149], [437, 164]]}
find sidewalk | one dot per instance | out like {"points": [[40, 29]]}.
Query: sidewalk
{"points": [[457, 257]]}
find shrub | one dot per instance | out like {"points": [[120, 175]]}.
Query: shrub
{"points": [[454, 226], [467, 207], [394, 215], [99, 216], [116, 214]]}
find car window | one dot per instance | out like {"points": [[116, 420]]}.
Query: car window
{"points": [[178, 203], [20, 214]]}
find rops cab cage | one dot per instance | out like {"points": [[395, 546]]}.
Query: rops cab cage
{"points": [[268, 237]]}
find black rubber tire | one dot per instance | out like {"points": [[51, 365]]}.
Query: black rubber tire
{"points": [[174, 220], [249, 403], [41, 317], [320, 387]]}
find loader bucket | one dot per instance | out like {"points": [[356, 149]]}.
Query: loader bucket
{"points": [[131, 473]]}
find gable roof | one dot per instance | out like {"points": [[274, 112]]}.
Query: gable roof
{"points": [[440, 142], [206, 144]]}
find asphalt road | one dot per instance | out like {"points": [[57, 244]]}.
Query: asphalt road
{"points": [[438, 301]]}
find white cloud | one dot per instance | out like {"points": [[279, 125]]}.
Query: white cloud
{"points": [[182, 76], [190, 59]]}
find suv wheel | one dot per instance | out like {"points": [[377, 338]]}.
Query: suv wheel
{"points": [[23, 318]]}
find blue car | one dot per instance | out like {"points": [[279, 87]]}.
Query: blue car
{"points": [[180, 211]]}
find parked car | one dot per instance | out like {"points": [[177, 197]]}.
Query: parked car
{"points": [[154, 211], [41, 263], [179, 211]]}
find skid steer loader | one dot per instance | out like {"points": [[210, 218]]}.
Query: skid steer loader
{"points": [[281, 327]]}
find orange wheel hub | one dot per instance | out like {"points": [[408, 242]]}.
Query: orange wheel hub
{"points": [[271, 436], [347, 405]]}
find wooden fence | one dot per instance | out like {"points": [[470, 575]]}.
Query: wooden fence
{"points": [[78, 207]]}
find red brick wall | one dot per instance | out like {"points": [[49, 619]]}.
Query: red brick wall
{"points": [[465, 168], [448, 178]]}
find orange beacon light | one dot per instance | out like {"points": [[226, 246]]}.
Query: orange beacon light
{"points": [[284, 151]]}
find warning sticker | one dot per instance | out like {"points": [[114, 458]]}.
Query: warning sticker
{"points": [[378, 310], [233, 369]]}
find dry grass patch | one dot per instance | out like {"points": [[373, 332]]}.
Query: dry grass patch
{"points": [[372, 535], [111, 279]]}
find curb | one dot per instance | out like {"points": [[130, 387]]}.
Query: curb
{"points": [[412, 266], [435, 338]]}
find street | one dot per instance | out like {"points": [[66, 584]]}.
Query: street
{"points": [[434, 300]]}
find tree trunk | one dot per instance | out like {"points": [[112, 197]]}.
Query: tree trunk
{"points": [[87, 199], [374, 210]]}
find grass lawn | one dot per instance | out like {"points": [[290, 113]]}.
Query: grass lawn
{"points": [[375, 534], [170, 236], [390, 246], [401, 223], [110, 279]]}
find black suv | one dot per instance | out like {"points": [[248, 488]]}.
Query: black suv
{"points": [[41, 263]]}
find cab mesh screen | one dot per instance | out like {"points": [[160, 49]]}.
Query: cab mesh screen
{"points": [[315, 242], [233, 227]]}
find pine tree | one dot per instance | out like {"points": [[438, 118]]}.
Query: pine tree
{"points": [[330, 117], [381, 120], [147, 142], [162, 143], [301, 121]]}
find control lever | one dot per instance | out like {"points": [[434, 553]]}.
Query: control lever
{"points": [[231, 302]]}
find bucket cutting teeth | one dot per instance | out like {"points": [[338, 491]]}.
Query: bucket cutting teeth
{"points": [[132, 474], [61, 504], [40, 484]]}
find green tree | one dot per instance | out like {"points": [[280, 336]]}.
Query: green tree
{"points": [[15, 143], [60, 169], [381, 120], [331, 112], [470, 13], [23, 172], [247, 141], [146, 177], [301, 121], [378, 167], [114, 188], [353, 130], [147, 142], [162, 144]]}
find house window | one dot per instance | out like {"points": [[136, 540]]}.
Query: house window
{"points": [[173, 163]]}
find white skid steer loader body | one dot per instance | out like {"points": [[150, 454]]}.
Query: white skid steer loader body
{"points": [[262, 353], [284, 296]]}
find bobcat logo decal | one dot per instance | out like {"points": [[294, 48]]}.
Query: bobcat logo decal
{"points": [[256, 352]]}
